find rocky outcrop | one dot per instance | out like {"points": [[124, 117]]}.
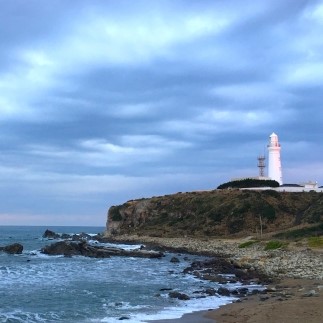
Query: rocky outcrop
{"points": [[51, 235], [15, 248], [215, 213], [69, 248]]}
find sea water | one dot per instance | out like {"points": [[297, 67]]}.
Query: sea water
{"points": [[39, 288]]}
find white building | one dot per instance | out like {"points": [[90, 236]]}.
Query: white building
{"points": [[274, 163], [310, 185]]}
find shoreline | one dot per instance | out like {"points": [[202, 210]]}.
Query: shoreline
{"points": [[292, 261], [194, 317], [292, 300], [294, 295]]}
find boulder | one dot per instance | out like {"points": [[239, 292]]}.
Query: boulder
{"points": [[179, 296], [223, 291], [210, 291], [15, 248], [48, 234], [174, 260], [65, 236]]}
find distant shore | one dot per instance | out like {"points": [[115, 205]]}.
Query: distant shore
{"points": [[296, 293]]}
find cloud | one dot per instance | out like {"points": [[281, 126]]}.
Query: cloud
{"points": [[108, 101]]}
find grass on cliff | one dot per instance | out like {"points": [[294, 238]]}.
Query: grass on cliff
{"points": [[316, 230]]}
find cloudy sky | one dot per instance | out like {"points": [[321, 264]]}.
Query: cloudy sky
{"points": [[106, 101]]}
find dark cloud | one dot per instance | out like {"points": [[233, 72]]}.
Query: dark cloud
{"points": [[105, 101]]}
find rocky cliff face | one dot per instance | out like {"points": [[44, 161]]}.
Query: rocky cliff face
{"points": [[215, 213]]}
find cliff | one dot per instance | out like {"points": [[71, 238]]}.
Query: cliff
{"points": [[218, 213]]}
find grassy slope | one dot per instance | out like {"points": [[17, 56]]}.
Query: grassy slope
{"points": [[218, 213]]}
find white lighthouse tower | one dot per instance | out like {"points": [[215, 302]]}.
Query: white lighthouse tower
{"points": [[274, 163]]}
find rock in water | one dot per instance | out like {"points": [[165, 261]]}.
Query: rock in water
{"points": [[179, 296], [174, 260], [223, 291], [69, 248], [48, 234], [15, 248]]}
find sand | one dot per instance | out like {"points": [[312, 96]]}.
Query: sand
{"points": [[195, 317], [298, 300]]}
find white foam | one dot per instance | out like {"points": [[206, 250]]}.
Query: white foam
{"points": [[39, 254], [116, 245], [23, 317], [177, 311], [127, 306]]}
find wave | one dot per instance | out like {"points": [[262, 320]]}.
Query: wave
{"points": [[174, 312], [19, 316], [116, 245]]}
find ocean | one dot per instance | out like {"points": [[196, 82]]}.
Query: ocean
{"points": [[39, 288]]}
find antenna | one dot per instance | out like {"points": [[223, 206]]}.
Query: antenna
{"points": [[261, 165]]}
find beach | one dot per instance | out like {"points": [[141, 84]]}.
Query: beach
{"points": [[295, 293], [291, 302]]}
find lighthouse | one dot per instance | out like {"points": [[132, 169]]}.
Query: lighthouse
{"points": [[274, 163]]}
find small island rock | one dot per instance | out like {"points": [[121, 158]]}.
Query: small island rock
{"points": [[15, 248]]}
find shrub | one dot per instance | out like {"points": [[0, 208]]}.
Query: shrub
{"points": [[217, 217], [115, 213], [315, 242], [249, 182], [302, 233], [269, 212], [235, 225], [274, 244], [315, 217], [272, 193], [247, 244]]}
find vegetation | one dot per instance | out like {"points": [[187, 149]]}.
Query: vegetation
{"points": [[114, 212], [316, 230], [220, 213], [247, 244], [315, 242], [273, 244], [249, 182]]}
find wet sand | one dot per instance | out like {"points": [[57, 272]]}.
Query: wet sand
{"points": [[290, 301], [195, 317]]}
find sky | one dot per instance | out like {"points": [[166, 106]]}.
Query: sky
{"points": [[106, 101]]}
